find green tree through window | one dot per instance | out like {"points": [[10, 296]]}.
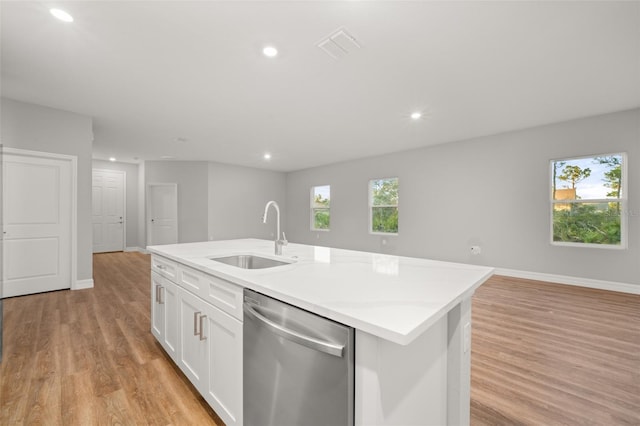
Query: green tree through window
{"points": [[383, 202], [587, 200], [321, 207]]}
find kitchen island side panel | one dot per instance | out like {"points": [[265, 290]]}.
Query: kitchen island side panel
{"points": [[459, 364], [402, 384]]}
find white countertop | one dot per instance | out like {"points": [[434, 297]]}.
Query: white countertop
{"points": [[395, 298]]}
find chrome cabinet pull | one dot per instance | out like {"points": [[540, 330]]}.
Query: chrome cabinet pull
{"points": [[198, 319], [195, 323], [202, 336], [161, 295], [157, 293]]}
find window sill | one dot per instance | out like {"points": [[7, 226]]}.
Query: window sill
{"points": [[588, 245]]}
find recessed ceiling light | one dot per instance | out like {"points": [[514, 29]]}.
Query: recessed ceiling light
{"points": [[61, 15], [112, 158], [416, 115], [267, 156], [270, 52]]}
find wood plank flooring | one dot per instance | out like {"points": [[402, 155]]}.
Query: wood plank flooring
{"points": [[87, 357], [550, 354], [542, 354]]}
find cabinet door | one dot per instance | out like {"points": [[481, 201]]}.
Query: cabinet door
{"points": [[157, 308], [192, 349], [224, 384], [169, 300]]}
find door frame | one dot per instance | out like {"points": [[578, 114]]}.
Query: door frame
{"points": [[73, 160], [124, 203], [147, 226]]}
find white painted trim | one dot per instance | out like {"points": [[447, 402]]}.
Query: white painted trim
{"points": [[74, 200], [40, 154], [83, 284], [568, 280], [124, 210], [138, 249]]}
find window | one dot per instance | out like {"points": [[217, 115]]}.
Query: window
{"points": [[588, 201], [383, 205], [320, 208]]}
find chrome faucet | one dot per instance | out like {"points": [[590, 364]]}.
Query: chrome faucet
{"points": [[279, 242]]}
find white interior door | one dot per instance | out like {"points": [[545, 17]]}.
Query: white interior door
{"points": [[162, 213], [108, 210], [37, 209]]}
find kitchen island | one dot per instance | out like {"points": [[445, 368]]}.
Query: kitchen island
{"points": [[412, 319]]}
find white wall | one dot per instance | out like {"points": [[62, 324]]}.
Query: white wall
{"points": [[237, 197], [192, 178], [131, 189], [219, 201], [37, 128], [491, 191]]}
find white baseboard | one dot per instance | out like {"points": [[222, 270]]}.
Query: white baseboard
{"points": [[564, 279], [138, 249], [83, 284]]}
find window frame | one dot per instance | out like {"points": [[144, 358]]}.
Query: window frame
{"points": [[312, 209], [371, 206], [623, 200]]}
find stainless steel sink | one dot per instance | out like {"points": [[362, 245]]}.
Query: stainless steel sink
{"points": [[249, 261]]}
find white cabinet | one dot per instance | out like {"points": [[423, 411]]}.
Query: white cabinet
{"points": [[165, 267], [210, 355], [218, 292], [164, 305], [193, 348], [224, 385], [198, 321]]}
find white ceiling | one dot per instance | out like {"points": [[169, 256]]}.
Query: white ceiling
{"points": [[149, 72]]}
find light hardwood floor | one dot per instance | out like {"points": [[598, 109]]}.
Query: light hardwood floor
{"points": [[88, 357], [542, 354], [550, 354]]}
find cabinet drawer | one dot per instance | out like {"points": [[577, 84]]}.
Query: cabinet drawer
{"points": [[223, 294], [220, 293], [190, 279], [165, 267]]}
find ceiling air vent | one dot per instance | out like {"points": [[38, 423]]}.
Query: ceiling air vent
{"points": [[338, 44]]}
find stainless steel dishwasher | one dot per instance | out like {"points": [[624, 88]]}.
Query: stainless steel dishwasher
{"points": [[298, 366]]}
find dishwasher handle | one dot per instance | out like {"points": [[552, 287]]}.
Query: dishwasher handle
{"points": [[294, 336]]}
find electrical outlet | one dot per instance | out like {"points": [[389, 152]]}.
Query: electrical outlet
{"points": [[476, 250]]}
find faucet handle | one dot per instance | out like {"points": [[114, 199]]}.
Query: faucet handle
{"points": [[284, 241]]}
